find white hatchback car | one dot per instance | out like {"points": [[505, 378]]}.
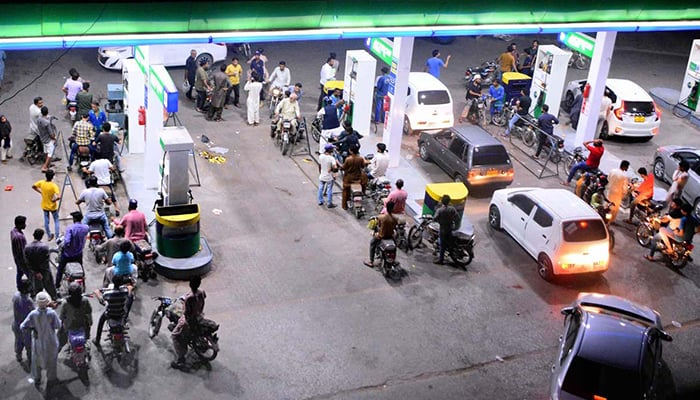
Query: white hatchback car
{"points": [[174, 55], [563, 233], [428, 105], [635, 114]]}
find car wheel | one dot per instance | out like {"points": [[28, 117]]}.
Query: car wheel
{"points": [[494, 217], [659, 169], [569, 100], [458, 178], [696, 207], [423, 152], [544, 267], [205, 56], [407, 126], [604, 131]]}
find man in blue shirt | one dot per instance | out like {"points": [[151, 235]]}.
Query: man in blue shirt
{"points": [[97, 117], [545, 122], [73, 244], [433, 65], [381, 90]]}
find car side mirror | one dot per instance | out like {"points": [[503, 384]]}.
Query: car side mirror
{"points": [[665, 336], [567, 310]]}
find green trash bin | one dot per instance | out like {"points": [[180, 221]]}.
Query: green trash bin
{"points": [[177, 230], [434, 191]]}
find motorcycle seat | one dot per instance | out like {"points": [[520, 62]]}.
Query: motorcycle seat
{"points": [[115, 324], [387, 245], [356, 187], [462, 237], [75, 270], [208, 326], [142, 246]]}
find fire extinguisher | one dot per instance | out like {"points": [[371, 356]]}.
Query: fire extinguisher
{"points": [[142, 115], [387, 103], [586, 93]]}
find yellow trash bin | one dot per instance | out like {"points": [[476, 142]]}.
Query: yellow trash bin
{"points": [[434, 191], [513, 83]]}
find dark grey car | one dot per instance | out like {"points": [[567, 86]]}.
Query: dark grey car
{"points": [[611, 348], [469, 155]]}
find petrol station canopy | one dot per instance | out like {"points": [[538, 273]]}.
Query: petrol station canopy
{"points": [[91, 24]]}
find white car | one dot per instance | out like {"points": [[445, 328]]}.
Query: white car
{"points": [[634, 114], [428, 105], [174, 55], [563, 233]]}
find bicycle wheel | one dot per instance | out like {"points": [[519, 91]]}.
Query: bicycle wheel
{"points": [[154, 325]]}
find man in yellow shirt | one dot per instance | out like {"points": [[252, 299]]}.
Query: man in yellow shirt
{"points": [[234, 72], [50, 195], [506, 61]]}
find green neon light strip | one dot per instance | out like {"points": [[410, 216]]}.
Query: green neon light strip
{"points": [[36, 20]]}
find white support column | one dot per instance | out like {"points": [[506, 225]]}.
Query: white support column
{"points": [[597, 75], [393, 130]]}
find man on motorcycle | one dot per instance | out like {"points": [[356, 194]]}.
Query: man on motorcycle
{"points": [[281, 77], [330, 127], [76, 314], [498, 97], [644, 191], [134, 223], [684, 232], [186, 326], [473, 94], [104, 146], [379, 164], [73, 244], [522, 107], [288, 109], [83, 134], [386, 223], [446, 216], [398, 196], [95, 199], [348, 139], [596, 150], [111, 245], [117, 297]]}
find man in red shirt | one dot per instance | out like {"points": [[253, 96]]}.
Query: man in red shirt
{"points": [[596, 151], [643, 192], [134, 223]]}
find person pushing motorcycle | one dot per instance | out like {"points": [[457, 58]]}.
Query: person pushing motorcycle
{"points": [[186, 326], [446, 216]]}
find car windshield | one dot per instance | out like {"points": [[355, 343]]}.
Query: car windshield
{"points": [[433, 97], [490, 155], [639, 107], [587, 230], [585, 379]]}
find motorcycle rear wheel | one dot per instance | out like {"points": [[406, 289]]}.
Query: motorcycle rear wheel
{"points": [[644, 235], [461, 257], [678, 263], [154, 325], [498, 119], [415, 237], [205, 348], [529, 138]]}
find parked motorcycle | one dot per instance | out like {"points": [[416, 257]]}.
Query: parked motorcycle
{"points": [[145, 260], [379, 189], [460, 249], [33, 150], [385, 252], [276, 95], [578, 60], [203, 340], [557, 154], [486, 70], [356, 201]]}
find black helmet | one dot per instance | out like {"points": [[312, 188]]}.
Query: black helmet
{"points": [[381, 147]]}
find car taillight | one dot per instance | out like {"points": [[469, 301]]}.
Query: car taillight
{"points": [[96, 236], [657, 110], [618, 111], [148, 256], [390, 256]]}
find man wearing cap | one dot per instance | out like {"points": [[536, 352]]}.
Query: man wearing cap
{"points": [[288, 109], [328, 168], [134, 223], [45, 323], [36, 255], [73, 244], [473, 94], [379, 163], [381, 89], [201, 84]]}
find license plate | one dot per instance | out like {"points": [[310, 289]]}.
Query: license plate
{"points": [[491, 172], [638, 118]]}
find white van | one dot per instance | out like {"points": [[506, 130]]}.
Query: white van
{"points": [[558, 229], [428, 105], [174, 55]]}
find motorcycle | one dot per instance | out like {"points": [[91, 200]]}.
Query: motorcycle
{"points": [[555, 155], [316, 127], [498, 117], [486, 70], [79, 352], [118, 335], [83, 159], [379, 189], [33, 150], [145, 260], [203, 340], [460, 249], [286, 138], [72, 107], [648, 209], [477, 111], [386, 253], [675, 257], [524, 128], [400, 236], [73, 271], [606, 213], [96, 237], [357, 197], [578, 60]]}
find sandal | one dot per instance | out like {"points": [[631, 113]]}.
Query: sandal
{"points": [[648, 257]]}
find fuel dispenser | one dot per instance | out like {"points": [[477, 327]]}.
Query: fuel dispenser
{"points": [[548, 78], [690, 91], [360, 69]]}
